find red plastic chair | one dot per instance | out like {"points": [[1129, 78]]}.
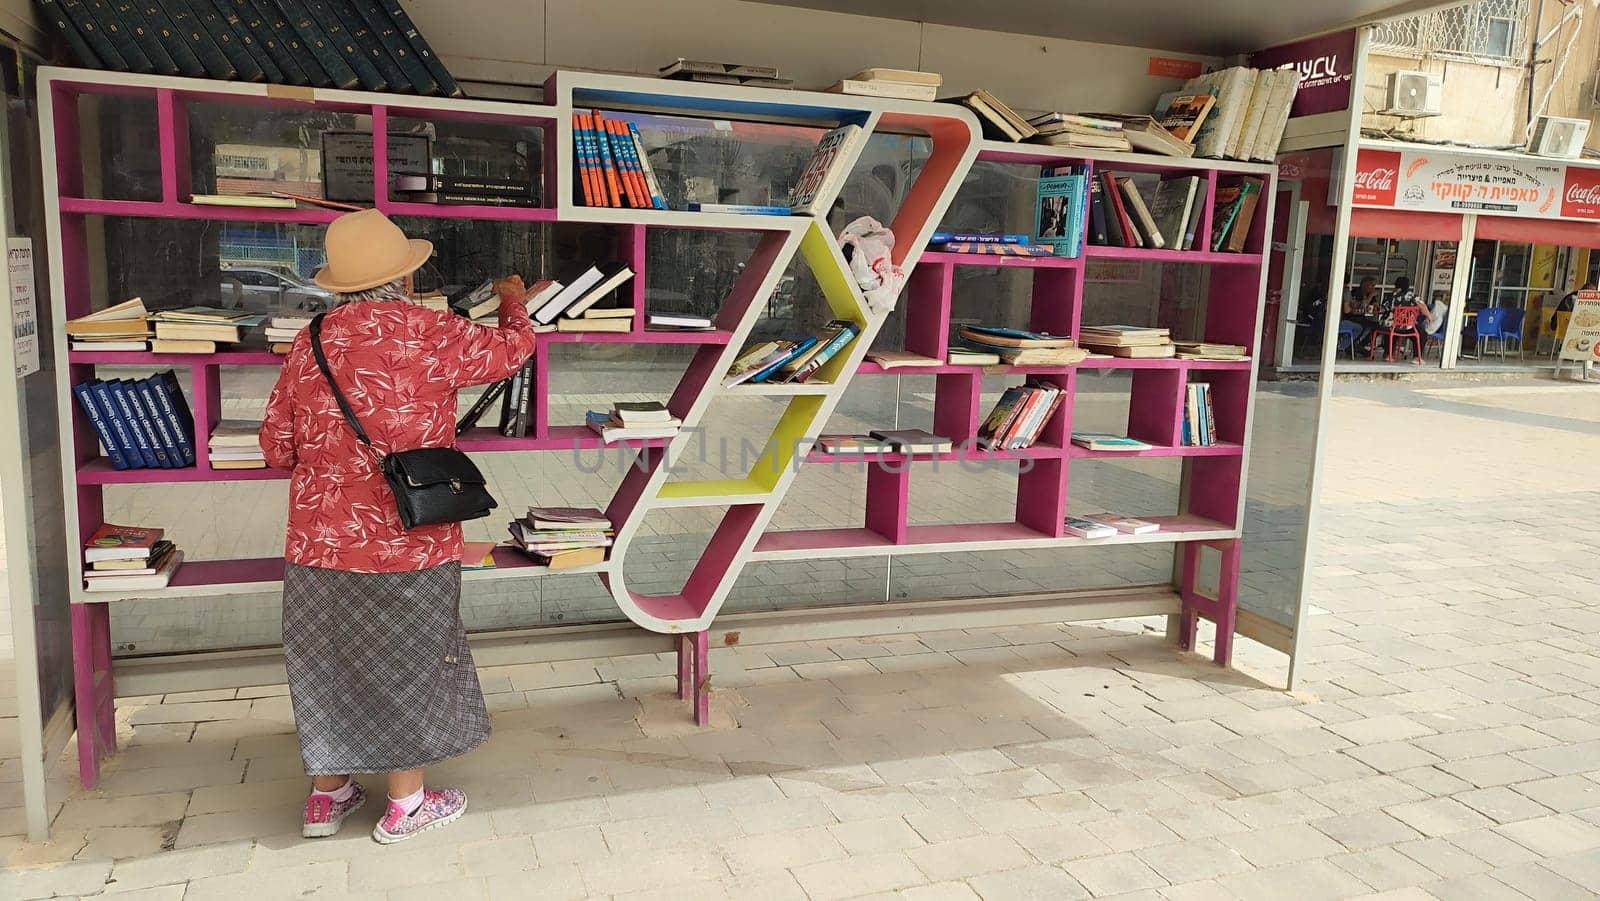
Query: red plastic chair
{"points": [[1402, 325]]}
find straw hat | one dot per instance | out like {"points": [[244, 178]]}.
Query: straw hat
{"points": [[366, 250]]}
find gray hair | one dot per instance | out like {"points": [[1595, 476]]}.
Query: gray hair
{"points": [[395, 290]]}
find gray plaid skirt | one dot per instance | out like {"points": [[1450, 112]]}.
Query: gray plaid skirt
{"points": [[380, 674]]}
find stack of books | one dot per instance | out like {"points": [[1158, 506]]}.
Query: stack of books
{"points": [[478, 304], [122, 327], [711, 72], [141, 423], [236, 444], [374, 46], [853, 445], [1250, 112], [1105, 525], [198, 330], [281, 332], [899, 84], [482, 190], [1128, 341], [1233, 213], [1000, 122], [1062, 211], [563, 537], [1199, 422], [1106, 441], [791, 361], [1017, 347], [678, 322], [633, 420], [985, 243], [1205, 350], [1147, 135], [575, 306], [1160, 215], [1020, 415], [128, 558], [1090, 132], [612, 164]]}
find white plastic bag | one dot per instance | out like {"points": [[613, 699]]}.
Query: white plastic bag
{"points": [[869, 246]]}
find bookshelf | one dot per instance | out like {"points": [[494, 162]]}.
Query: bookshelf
{"points": [[1214, 488]]}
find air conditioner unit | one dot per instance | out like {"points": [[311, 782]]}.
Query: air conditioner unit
{"points": [[1560, 138], [1414, 95]]}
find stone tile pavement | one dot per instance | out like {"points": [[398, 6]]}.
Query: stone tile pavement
{"points": [[1443, 741]]}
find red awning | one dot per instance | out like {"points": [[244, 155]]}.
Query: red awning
{"points": [[1407, 225], [1560, 232]]}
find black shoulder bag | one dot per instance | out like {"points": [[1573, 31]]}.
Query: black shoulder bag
{"points": [[431, 485]]}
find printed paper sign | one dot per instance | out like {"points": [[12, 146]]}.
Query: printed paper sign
{"points": [[24, 309], [1582, 341], [1168, 67]]}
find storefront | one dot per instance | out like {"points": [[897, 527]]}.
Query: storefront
{"points": [[1529, 224]]}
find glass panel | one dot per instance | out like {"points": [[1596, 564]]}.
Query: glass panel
{"points": [[237, 149]]}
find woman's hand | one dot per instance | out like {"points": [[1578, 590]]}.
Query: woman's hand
{"points": [[510, 286]]}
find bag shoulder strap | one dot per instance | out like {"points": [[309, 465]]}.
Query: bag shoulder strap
{"points": [[338, 396]]}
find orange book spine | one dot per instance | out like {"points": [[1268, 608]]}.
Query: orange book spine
{"points": [[614, 188], [580, 158], [596, 179], [636, 187]]}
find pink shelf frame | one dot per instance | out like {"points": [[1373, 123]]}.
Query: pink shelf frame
{"points": [[1213, 489]]}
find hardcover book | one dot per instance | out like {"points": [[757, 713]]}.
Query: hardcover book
{"points": [[826, 170]]}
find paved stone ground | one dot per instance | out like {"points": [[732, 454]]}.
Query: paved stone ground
{"points": [[1444, 741]]}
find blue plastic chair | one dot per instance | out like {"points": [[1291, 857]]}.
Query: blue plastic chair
{"points": [[1487, 327], [1348, 332], [1511, 327]]}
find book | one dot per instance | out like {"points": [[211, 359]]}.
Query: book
{"points": [[914, 441], [682, 66], [128, 411], [159, 579], [114, 542], [1244, 141], [963, 356], [612, 276], [553, 298], [1124, 229], [834, 337], [1182, 114], [1010, 337], [1055, 121], [477, 555], [421, 49], [657, 199], [183, 346], [1123, 334], [1233, 88], [235, 21], [365, 39], [291, 47], [132, 20], [481, 406], [1127, 525], [1239, 230], [100, 423], [998, 250], [1041, 356], [61, 23], [826, 170], [575, 518], [1004, 413], [746, 209], [95, 35], [197, 331], [1058, 223], [148, 566], [1141, 214], [1086, 140], [1131, 351], [1104, 441], [1169, 207], [1147, 135], [902, 76], [1224, 210], [119, 320], [244, 433], [638, 413], [793, 350], [1087, 528], [853, 444], [172, 409], [149, 412], [998, 120], [105, 399], [756, 358], [678, 321], [977, 238], [612, 431], [1205, 350], [222, 35], [1285, 85], [1099, 233], [594, 324], [894, 90], [259, 201], [187, 27], [900, 359], [591, 556]]}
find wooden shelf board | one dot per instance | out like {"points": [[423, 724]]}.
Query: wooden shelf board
{"points": [[157, 209], [99, 471], [712, 493], [809, 544], [646, 336], [146, 358], [1046, 155], [959, 455]]}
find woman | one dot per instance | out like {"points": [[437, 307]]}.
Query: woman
{"points": [[380, 675]]}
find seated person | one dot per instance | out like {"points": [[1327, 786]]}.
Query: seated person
{"points": [[1566, 304], [1355, 310]]}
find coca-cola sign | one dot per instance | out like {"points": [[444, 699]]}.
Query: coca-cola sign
{"points": [[1439, 181], [1377, 177], [1580, 197]]}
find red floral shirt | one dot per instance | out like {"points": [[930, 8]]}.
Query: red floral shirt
{"points": [[399, 365]]}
